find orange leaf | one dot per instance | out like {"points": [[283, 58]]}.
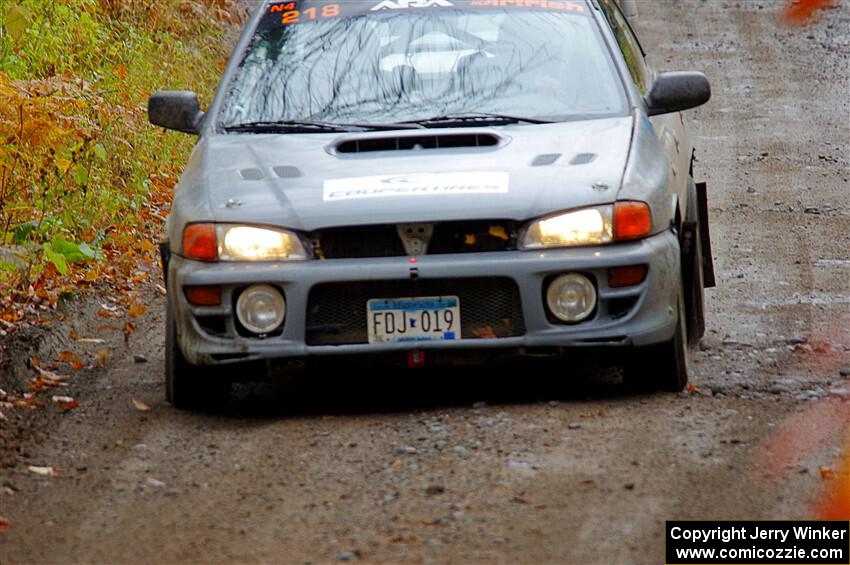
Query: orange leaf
{"points": [[141, 406], [121, 71], [485, 332], [137, 310], [692, 389], [68, 406], [827, 473], [69, 357]]}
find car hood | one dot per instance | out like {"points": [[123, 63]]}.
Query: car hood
{"points": [[307, 181]]}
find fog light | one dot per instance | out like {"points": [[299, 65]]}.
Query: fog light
{"points": [[261, 309], [571, 297]]}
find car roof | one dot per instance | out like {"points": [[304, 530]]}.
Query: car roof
{"points": [[377, 6]]}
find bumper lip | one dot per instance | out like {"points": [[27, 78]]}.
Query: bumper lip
{"points": [[651, 320]]}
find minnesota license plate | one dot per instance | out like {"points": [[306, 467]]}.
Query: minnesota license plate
{"points": [[429, 318]]}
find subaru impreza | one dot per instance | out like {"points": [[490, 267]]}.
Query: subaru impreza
{"points": [[435, 181]]}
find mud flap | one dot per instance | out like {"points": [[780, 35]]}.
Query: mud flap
{"points": [[705, 236], [164, 256]]}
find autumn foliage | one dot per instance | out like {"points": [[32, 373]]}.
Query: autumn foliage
{"points": [[85, 181]]}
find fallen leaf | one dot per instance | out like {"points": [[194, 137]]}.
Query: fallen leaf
{"points": [[4, 523], [43, 471], [692, 389], [469, 239], [91, 340], [484, 332], [827, 473], [70, 357], [161, 289], [129, 328], [147, 246], [49, 375], [499, 232], [72, 335], [396, 464], [137, 310], [121, 71], [141, 406], [68, 406], [101, 357]]}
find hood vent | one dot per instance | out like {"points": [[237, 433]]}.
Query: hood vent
{"points": [[417, 143]]}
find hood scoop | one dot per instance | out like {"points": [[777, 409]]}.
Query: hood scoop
{"points": [[416, 142]]}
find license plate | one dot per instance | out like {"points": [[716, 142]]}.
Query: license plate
{"points": [[429, 318]]}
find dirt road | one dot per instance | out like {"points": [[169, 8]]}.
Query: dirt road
{"points": [[558, 465]]}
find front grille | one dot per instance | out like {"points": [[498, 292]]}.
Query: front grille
{"points": [[449, 237], [489, 308]]}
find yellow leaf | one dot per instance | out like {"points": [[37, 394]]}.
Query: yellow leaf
{"points": [[499, 231], [469, 239], [137, 310], [17, 21], [63, 165]]}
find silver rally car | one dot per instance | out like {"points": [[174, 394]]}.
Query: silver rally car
{"points": [[435, 180]]}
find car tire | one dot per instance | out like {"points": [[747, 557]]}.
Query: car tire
{"points": [[187, 386], [660, 367]]}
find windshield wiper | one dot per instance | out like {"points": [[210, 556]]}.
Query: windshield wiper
{"points": [[451, 120], [312, 126]]}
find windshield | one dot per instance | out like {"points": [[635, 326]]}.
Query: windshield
{"points": [[407, 60]]}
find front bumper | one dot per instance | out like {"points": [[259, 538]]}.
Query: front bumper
{"points": [[645, 314]]}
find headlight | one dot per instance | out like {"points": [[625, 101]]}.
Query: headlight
{"points": [[590, 226], [621, 221], [228, 242]]}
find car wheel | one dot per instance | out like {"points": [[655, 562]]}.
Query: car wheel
{"points": [[660, 367], [187, 386], [692, 271]]}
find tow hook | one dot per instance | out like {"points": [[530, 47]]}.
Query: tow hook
{"points": [[415, 359]]}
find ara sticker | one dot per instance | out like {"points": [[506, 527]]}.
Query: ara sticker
{"points": [[423, 184], [405, 4]]}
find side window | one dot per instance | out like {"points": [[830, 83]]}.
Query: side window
{"points": [[628, 43]]}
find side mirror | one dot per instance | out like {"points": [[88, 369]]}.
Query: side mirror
{"points": [[175, 109], [674, 92]]}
